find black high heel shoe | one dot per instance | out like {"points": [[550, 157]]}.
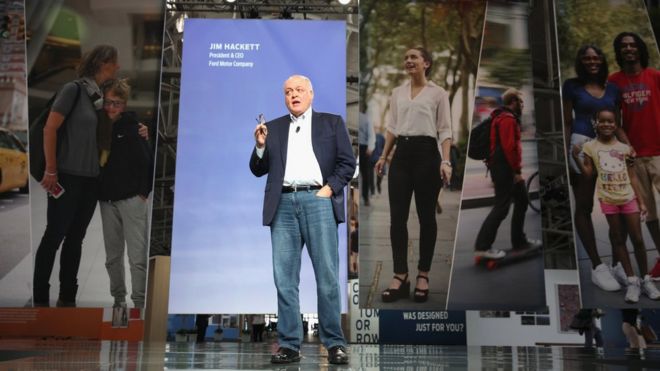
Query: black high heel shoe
{"points": [[420, 296], [403, 291]]}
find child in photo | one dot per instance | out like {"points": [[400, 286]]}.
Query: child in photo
{"points": [[125, 183], [617, 188]]}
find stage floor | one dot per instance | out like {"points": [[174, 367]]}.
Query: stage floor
{"points": [[69, 354]]}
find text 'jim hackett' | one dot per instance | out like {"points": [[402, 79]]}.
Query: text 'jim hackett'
{"points": [[235, 46]]}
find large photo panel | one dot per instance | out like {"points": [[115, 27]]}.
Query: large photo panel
{"points": [[609, 59], [407, 216], [90, 245], [15, 257], [498, 255], [232, 72]]}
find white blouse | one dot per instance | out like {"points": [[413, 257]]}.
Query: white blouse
{"points": [[427, 114]]}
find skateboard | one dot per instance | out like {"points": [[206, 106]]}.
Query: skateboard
{"points": [[510, 257]]}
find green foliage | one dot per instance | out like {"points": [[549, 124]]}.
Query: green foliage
{"points": [[508, 67], [598, 22], [450, 31]]}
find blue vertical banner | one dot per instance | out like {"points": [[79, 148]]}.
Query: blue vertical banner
{"points": [[232, 71]]}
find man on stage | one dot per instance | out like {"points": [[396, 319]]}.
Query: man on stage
{"points": [[309, 160]]}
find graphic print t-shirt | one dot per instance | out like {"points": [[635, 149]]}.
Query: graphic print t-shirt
{"points": [[640, 103], [612, 184]]}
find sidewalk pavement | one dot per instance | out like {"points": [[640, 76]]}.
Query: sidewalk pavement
{"points": [[592, 296], [376, 268], [518, 286]]}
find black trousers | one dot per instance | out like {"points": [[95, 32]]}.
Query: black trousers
{"points": [[258, 332], [505, 193], [415, 169], [366, 173], [201, 333], [67, 220]]}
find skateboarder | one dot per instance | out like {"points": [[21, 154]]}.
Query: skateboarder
{"points": [[505, 167]]}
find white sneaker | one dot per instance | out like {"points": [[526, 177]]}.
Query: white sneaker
{"points": [[632, 293], [602, 277], [491, 253], [619, 274], [532, 243], [649, 289]]}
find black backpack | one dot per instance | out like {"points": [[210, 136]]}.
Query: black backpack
{"points": [[479, 144], [36, 137], [479, 147]]}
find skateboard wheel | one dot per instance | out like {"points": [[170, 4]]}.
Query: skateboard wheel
{"points": [[477, 260], [491, 265]]}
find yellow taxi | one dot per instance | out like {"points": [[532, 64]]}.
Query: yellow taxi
{"points": [[13, 163]]}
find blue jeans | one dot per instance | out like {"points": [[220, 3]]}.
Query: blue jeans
{"points": [[302, 218]]}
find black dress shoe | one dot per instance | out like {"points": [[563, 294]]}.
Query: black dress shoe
{"points": [[285, 355], [337, 355]]}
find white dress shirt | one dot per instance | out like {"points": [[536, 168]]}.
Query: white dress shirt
{"points": [[302, 167], [428, 114]]}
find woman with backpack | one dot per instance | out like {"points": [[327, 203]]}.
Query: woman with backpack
{"points": [[70, 177], [582, 96], [420, 125]]}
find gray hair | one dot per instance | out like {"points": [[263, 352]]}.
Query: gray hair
{"points": [[309, 82]]}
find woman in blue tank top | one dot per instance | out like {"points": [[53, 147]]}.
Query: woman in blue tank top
{"points": [[582, 96]]}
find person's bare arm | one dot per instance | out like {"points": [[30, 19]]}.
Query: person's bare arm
{"points": [[389, 144], [634, 181], [568, 123], [53, 123], [586, 166], [445, 169]]}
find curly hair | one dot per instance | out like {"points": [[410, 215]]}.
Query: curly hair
{"points": [[594, 118], [641, 47]]}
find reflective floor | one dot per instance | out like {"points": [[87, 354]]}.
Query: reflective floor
{"points": [[118, 355]]}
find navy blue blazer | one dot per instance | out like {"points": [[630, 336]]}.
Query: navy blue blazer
{"points": [[333, 151]]}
